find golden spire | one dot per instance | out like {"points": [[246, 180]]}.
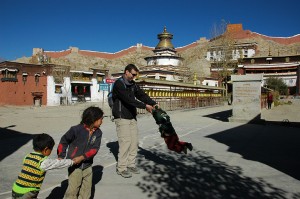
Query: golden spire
{"points": [[165, 40]]}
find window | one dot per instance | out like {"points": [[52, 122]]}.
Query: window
{"points": [[58, 89], [24, 77], [99, 78], [9, 75], [287, 59], [37, 78]]}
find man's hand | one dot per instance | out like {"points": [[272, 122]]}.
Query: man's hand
{"points": [[149, 108], [156, 106]]}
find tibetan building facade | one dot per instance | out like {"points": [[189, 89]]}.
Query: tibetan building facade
{"points": [[48, 84], [23, 84], [286, 68], [225, 51]]}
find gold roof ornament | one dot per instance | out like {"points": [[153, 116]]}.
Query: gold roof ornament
{"points": [[165, 40], [195, 78]]}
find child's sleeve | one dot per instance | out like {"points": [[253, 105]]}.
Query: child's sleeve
{"points": [[49, 164], [65, 140]]}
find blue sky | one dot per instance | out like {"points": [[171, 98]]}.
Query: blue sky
{"points": [[114, 25]]}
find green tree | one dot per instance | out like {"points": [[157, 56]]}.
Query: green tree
{"points": [[277, 84]]}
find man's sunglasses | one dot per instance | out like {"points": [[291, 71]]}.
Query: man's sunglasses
{"points": [[133, 74]]}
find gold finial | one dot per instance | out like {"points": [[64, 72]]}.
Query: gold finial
{"points": [[165, 40], [165, 29], [195, 78]]}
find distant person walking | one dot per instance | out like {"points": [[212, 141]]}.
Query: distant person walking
{"points": [[270, 100]]}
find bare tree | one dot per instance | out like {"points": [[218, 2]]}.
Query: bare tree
{"points": [[223, 46], [60, 73]]}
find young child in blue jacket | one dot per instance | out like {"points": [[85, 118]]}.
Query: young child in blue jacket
{"points": [[81, 143]]}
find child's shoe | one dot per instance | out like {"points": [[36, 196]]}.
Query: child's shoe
{"points": [[185, 150], [189, 146]]}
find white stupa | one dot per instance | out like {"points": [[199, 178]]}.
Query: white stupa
{"points": [[165, 64]]}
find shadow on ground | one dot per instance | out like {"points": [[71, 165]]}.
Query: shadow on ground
{"points": [[225, 115], [11, 141], [222, 116], [273, 143], [59, 192], [198, 175], [114, 148]]}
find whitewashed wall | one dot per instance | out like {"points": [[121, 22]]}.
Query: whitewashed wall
{"points": [[164, 61], [210, 82], [53, 99], [51, 95], [290, 81], [66, 90], [95, 94], [235, 54]]}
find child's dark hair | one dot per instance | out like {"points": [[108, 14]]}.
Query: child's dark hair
{"points": [[90, 115], [41, 141]]}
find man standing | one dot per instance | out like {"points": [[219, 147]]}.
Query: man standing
{"points": [[125, 95]]}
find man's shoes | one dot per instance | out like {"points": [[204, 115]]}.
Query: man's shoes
{"points": [[124, 174], [133, 170]]}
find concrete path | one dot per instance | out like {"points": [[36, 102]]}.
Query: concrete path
{"points": [[229, 160]]}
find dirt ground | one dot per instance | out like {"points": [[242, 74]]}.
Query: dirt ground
{"points": [[228, 158], [285, 112]]}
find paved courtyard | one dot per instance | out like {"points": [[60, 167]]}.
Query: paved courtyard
{"points": [[229, 160]]}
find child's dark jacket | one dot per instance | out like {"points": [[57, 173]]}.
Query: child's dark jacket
{"points": [[78, 142], [163, 120]]}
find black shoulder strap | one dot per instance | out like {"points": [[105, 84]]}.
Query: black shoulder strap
{"points": [[122, 80], [111, 92], [120, 104]]}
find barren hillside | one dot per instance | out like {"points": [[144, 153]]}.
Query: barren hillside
{"points": [[194, 56]]}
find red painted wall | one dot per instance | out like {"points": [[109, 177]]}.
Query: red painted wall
{"points": [[18, 93]]}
